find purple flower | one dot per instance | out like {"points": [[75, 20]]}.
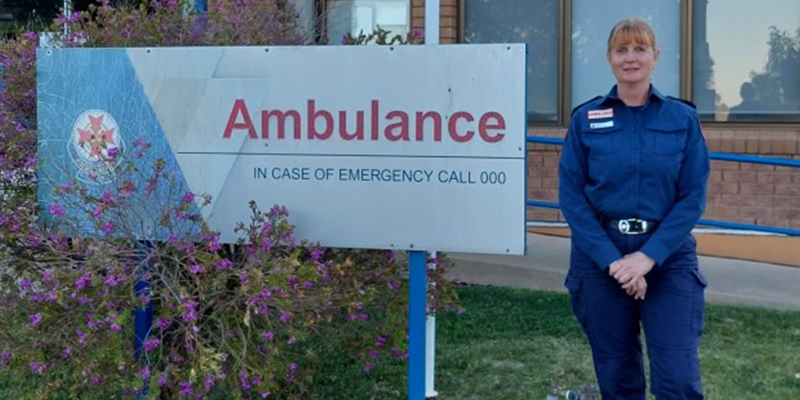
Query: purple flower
{"points": [[267, 336], [209, 383], [113, 153], [68, 352], [394, 285], [162, 380], [284, 318], [266, 245], [83, 282], [185, 388], [47, 276], [195, 269], [316, 255], [401, 354], [244, 380], [25, 284], [191, 311], [152, 344], [163, 324], [81, 336], [214, 246], [37, 367], [107, 228], [224, 264], [374, 354], [97, 380], [368, 367], [144, 373], [98, 212], [57, 211], [107, 197], [111, 280], [36, 319], [30, 161], [188, 197], [380, 341], [84, 301]]}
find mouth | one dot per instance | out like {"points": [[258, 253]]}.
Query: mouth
{"points": [[631, 69]]}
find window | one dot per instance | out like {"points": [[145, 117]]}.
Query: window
{"points": [[747, 60], [592, 21], [357, 16], [535, 22]]}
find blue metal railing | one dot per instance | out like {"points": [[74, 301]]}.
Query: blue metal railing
{"points": [[784, 162]]}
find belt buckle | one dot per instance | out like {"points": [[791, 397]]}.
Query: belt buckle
{"points": [[632, 226]]}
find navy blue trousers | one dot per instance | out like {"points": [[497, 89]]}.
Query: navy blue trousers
{"points": [[671, 315]]}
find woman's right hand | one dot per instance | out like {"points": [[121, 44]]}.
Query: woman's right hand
{"points": [[638, 289]]}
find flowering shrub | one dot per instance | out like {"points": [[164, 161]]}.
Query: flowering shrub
{"points": [[245, 319]]}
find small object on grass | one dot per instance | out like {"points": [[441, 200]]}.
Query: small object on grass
{"points": [[572, 395]]}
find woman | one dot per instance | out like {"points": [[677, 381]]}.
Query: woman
{"points": [[632, 181]]}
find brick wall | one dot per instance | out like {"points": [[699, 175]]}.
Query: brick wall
{"points": [[737, 192], [448, 19]]}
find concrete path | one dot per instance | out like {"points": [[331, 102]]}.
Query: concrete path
{"points": [[547, 262]]}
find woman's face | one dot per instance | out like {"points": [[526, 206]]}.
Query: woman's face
{"points": [[632, 62]]}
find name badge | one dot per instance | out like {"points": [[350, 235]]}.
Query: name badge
{"points": [[601, 125], [600, 114]]}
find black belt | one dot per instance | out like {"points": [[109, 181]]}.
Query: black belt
{"points": [[630, 226]]}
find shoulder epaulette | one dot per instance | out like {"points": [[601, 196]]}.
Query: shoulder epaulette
{"points": [[687, 102], [583, 104]]}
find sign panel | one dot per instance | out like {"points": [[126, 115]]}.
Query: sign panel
{"points": [[388, 147]]}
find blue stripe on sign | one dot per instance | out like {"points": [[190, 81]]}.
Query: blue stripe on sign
{"points": [[73, 81]]}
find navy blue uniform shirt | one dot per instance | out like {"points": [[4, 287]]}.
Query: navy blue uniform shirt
{"points": [[647, 162]]}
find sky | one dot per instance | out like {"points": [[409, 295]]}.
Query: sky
{"points": [[738, 31]]}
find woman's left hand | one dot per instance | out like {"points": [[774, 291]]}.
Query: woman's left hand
{"points": [[629, 269]]}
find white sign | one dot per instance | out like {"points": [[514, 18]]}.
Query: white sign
{"points": [[402, 147]]}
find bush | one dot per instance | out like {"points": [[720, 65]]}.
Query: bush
{"points": [[247, 317]]}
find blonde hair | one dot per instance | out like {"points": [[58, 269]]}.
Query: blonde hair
{"points": [[631, 30]]}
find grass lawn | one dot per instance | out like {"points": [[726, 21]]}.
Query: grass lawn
{"points": [[517, 344]]}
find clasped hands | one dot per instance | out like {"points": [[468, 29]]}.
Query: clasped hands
{"points": [[629, 272]]}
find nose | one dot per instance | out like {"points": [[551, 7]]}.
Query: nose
{"points": [[628, 57]]}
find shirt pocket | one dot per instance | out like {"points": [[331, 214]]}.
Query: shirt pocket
{"points": [[665, 138], [601, 140]]}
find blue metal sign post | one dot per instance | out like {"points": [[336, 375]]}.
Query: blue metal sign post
{"points": [[417, 311], [143, 316]]}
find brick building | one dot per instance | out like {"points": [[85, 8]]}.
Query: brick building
{"points": [[739, 63]]}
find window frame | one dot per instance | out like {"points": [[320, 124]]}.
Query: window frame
{"points": [[686, 78], [562, 58]]}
